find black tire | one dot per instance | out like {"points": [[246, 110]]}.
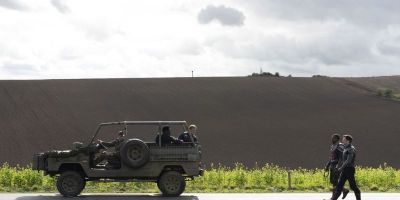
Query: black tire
{"points": [[135, 153], [70, 183], [158, 185], [171, 184]]}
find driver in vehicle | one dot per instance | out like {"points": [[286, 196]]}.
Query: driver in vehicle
{"points": [[166, 137], [112, 158]]}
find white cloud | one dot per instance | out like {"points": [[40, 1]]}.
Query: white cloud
{"points": [[98, 38], [190, 47]]}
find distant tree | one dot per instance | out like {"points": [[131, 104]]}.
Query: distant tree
{"points": [[255, 74], [265, 74], [319, 76]]}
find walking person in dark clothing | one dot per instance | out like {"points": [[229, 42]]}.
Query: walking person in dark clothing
{"points": [[335, 159], [347, 169]]}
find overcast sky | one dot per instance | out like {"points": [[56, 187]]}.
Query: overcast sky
{"points": [[47, 39]]}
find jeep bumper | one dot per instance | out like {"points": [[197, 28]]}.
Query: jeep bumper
{"points": [[39, 161]]}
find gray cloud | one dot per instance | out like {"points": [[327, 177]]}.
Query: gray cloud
{"points": [[12, 4], [328, 50], [321, 53], [60, 6], [333, 37], [19, 69], [389, 49], [389, 45], [370, 13], [225, 15]]}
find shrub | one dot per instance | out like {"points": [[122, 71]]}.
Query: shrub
{"points": [[387, 93], [268, 178]]}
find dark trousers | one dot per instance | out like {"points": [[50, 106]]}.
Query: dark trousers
{"points": [[334, 180], [347, 175], [334, 177]]}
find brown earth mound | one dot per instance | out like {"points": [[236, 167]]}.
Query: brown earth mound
{"points": [[376, 83], [286, 121]]}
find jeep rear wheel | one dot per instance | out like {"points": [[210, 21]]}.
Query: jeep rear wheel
{"points": [[135, 153], [171, 184], [70, 183]]}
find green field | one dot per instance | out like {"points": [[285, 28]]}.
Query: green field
{"points": [[268, 178]]}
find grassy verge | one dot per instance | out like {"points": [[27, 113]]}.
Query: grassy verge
{"points": [[269, 178]]}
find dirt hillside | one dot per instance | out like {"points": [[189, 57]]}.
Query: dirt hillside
{"points": [[286, 121], [376, 83]]}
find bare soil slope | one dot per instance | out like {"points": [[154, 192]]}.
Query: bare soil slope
{"points": [[376, 83], [286, 121]]}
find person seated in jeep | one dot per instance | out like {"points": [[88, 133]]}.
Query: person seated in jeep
{"points": [[185, 136], [166, 137], [112, 158]]}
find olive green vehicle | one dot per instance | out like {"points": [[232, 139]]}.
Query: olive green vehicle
{"points": [[168, 165]]}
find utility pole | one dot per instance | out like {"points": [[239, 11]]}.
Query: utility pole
{"points": [[192, 73]]}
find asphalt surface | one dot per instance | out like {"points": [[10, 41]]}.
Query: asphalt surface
{"points": [[197, 196]]}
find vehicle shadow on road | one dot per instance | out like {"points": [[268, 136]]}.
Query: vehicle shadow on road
{"points": [[108, 197]]}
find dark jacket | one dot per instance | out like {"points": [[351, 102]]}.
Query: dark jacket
{"points": [[185, 137], [167, 139], [349, 157], [336, 154]]}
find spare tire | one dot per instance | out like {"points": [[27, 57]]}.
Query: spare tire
{"points": [[135, 153]]}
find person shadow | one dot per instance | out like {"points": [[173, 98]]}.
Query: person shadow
{"points": [[107, 197]]}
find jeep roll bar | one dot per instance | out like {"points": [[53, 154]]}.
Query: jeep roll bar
{"points": [[160, 124]]}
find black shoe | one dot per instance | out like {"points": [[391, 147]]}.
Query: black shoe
{"points": [[335, 195], [345, 192], [358, 196]]}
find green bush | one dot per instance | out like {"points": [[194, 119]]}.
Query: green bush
{"points": [[387, 93], [268, 178]]}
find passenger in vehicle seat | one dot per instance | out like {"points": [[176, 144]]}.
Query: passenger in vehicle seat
{"points": [[185, 137], [166, 137]]}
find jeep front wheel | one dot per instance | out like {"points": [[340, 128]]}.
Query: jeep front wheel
{"points": [[70, 183], [171, 183]]}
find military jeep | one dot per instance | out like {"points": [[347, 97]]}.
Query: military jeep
{"points": [[168, 165]]}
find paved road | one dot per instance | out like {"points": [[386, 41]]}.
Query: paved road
{"points": [[197, 196]]}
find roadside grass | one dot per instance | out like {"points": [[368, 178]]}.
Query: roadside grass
{"points": [[267, 178]]}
